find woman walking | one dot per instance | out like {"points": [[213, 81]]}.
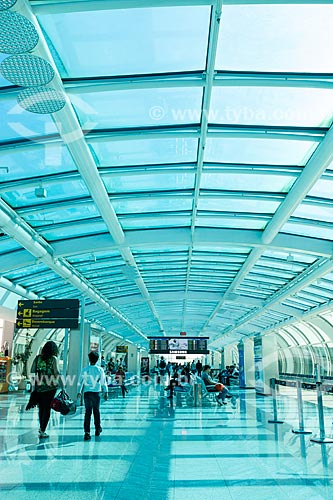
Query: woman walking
{"points": [[47, 381]]}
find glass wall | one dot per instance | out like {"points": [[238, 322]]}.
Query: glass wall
{"points": [[305, 344]]}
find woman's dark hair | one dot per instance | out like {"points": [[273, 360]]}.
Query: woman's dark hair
{"points": [[205, 367], [50, 349]]}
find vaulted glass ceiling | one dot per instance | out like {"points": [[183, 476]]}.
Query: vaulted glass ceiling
{"points": [[179, 177]]}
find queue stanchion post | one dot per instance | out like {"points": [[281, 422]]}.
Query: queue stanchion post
{"points": [[300, 429], [275, 412], [197, 394], [321, 439]]}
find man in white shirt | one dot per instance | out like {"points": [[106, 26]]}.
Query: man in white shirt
{"points": [[91, 382]]}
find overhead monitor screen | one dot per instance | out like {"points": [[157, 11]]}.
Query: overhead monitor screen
{"points": [[178, 345]]}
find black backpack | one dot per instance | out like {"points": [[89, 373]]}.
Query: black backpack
{"points": [[162, 364]]}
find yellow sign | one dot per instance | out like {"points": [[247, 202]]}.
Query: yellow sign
{"points": [[122, 348]]}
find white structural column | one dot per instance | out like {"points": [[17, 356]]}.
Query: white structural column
{"points": [[132, 358], [228, 355], [265, 362], [79, 342], [246, 364]]}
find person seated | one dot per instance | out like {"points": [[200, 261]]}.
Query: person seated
{"points": [[213, 385], [108, 378], [175, 385], [234, 371]]}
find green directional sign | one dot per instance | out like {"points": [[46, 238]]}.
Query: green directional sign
{"points": [[62, 313], [49, 304], [47, 313], [47, 323]]}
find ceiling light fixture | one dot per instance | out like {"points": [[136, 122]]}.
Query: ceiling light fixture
{"points": [[40, 192]]}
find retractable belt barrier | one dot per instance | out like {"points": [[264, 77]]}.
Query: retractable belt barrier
{"points": [[300, 429], [322, 439], [275, 420], [320, 388]]}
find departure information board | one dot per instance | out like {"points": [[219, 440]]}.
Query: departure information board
{"points": [[178, 345]]}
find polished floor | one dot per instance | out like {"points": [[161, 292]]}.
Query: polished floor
{"points": [[152, 450]]}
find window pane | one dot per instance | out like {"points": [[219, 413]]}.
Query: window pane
{"points": [[235, 222], [158, 181], [272, 106], [238, 205], [61, 191], [137, 206], [247, 182], [145, 151], [139, 108], [31, 161], [17, 123], [315, 231], [129, 41], [259, 151], [295, 38], [322, 189], [314, 212]]}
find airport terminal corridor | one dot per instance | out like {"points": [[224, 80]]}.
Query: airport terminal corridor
{"points": [[154, 448], [166, 210]]}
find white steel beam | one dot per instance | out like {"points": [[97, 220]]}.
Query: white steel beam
{"points": [[218, 239], [207, 97], [64, 6]]}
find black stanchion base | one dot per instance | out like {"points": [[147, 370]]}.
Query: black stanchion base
{"points": [[322, 441], [275, 421], [300, 431]]}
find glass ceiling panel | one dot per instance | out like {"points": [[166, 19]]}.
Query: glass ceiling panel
{"points": [[148, 181], [224, 204], [299, 302], [322, 189], [314, 333], [284, 256], [247, 182], [318, 292], [259, 151], [285, 337], [296, 334], [328, 316], [54, 215], [139, 108], [235, 222], [278, 106], [8, 245], [105, 254], [129, 41], [163, 204], [312, 211], [221, 250], [32, 161], [295, 38], [156, 222], [17, 123], [145, 151], [314, 231], [61, 191], [73, 231]]}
